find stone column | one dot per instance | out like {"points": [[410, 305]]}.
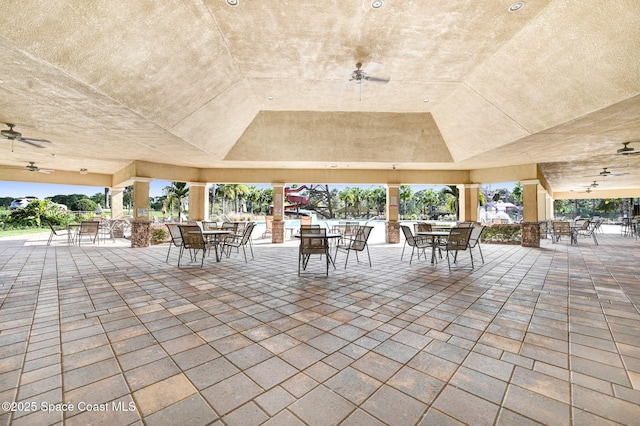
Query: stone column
{"points": [[530, 234], [198, 201], [277, 232], [392, 232], [468, 202], [141, 225]]}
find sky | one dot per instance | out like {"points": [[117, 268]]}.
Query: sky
{"points": [[44, 190]]}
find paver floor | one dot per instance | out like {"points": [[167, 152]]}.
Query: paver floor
{"points": [[108, 334]]}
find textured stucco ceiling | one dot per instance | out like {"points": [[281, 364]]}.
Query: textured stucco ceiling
{"points": [[266, 84]]}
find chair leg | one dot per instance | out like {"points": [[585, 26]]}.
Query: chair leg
{"points": [[480, 249], [403, 247], [369, 256], [169, 252], [50, 238], [245, 254], [347, 259]]}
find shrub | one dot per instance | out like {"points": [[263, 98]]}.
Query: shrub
{"points": [[85, 205], [37, 213], [159, 236]]}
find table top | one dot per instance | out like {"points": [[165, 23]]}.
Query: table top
{"points": [[327, 235], [213, 232], [433, 233]]}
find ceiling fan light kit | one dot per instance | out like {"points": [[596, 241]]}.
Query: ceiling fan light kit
{"points": [[627, 150]]}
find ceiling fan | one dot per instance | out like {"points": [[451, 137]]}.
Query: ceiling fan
{"points": [[362, 74], [627, 150], [595, 184], [12, 135], [31, 167], [605, 173]]}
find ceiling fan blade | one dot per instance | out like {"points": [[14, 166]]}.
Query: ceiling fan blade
{"points": [[34, 140], [378, 80], [28, 142], [45, 171], [371, 67]]}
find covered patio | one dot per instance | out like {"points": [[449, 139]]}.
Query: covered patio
{"points": [[534, 335]]}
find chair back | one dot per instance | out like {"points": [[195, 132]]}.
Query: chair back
{"points": [[474, 238], [246, 233], [465, 224], [174, 231], [268, 222], [313, 241], [561, 228], [408, 235], [351, 229], [422, 227], [89, 227], [305, 221], [459, 238], [192, 237], [360, 242], [208, 226], [230, 226]]}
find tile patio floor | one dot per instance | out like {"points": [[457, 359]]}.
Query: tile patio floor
{"points": [[548, 335]]}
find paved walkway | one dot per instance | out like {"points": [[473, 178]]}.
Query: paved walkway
{"points": [[548, 335]]}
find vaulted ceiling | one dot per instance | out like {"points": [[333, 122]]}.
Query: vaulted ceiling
{"points": [[266, 84]]}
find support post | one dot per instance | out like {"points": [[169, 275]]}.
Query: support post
{"points": [[198, 201], [141, 226], [277, 231], [392, 231]]}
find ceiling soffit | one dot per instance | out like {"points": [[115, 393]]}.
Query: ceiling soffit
{"points": [[341, 137]]}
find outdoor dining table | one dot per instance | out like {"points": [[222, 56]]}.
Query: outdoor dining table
{"points": [[213, 236], [435, 240]]}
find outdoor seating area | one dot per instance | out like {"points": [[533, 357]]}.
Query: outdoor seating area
{"points": [[543, 335]]}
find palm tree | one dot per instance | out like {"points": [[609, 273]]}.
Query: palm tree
{"points": [[347, 198], [176, 193], [358, 198], [452, 193], [405, 194], [254, 198]]}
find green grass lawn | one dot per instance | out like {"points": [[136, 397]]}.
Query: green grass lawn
{"points": [[25, 231]]}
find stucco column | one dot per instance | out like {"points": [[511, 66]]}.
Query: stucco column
{"points": [[542, 203], [550, 210], [277, 232], [530, 200], [198, 201], [141, 225], [141, 198], [468, 202], [117, 197], [392, 234]]}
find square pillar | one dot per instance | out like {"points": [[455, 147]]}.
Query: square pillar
{"points": [[392, 232], [141, 198], [277, 231], [468, 202], [198, 201], [530, 200], [117, 197], [141, 225]]}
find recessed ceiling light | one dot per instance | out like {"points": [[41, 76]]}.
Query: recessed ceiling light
{"points": [[516, 6], [425, 100], [270, 98], [84, 171], [233, 2], [377, 4]]}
